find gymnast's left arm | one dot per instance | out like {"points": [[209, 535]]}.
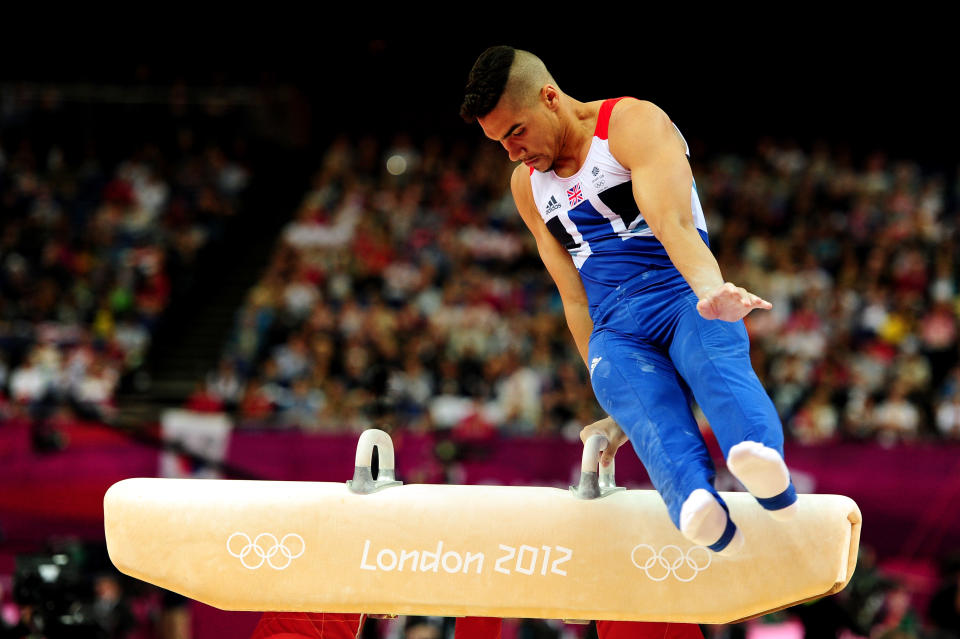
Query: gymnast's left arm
{"points": [[644, 140]]}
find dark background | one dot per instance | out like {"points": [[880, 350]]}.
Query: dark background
{"points": [[725, 80]]}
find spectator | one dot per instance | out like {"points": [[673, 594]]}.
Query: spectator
{"points": [[817, 420], [896, 418], [948, 416], [202, 400], [226, 384], [897, 618], [304, 406], [255, 406]]}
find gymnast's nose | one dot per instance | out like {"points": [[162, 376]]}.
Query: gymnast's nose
{"points": [[514, 150]]}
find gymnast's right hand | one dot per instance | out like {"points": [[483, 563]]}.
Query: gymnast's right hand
{"points": [[730, 303], [609, 429]]}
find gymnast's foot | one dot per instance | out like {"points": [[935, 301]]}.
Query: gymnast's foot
{"points": [[762, 472], [706, 523]]}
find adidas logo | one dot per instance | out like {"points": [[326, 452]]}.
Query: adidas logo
{"points": [[593, 364], [552, 204]]}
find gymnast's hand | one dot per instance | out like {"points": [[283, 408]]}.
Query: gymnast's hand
{"points": [[609, 429], [730, 303]]}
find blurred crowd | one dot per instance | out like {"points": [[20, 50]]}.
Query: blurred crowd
{"points": [[407, 293], [90, 251], [859, 260], [407, 287]]}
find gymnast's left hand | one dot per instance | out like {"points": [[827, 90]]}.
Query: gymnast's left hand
{"points": [[730, 303]]}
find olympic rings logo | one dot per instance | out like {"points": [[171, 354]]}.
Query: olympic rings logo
{"points": [[671, 560], [266, 553]]}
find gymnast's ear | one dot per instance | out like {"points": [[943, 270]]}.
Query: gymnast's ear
{"points": [[550, 96]]}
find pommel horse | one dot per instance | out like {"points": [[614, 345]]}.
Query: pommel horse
{"points": [[377, 546]]}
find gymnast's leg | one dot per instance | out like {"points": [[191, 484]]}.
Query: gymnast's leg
{"points": [[636, 383], [713, 357]]}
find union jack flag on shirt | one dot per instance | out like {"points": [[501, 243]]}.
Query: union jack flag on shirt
{"points": [[575, 195]]}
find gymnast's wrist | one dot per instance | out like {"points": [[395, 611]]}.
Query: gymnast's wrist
{"points": [[706, 290]]}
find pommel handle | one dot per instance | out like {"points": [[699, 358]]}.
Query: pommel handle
{"points": [[595, 480], [363, 482]]}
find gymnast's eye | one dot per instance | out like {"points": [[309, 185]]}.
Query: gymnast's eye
{"points": [[518, 132]]}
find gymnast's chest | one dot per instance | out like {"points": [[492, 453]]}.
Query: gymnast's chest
{"points": [[590, 205]]}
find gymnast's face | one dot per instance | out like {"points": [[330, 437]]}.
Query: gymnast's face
{"points": [[527, 129]]}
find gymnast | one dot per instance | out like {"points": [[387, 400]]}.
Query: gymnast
{"points": [[606, 189]]}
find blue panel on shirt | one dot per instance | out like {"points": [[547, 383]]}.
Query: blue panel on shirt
{"points": [[620, 260]]}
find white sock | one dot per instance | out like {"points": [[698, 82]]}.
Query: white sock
{"points": [[703, 520], [734, 547], [762, 472]]}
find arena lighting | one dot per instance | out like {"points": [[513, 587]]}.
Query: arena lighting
{"points": [[48, 572], [396, 165], [55, 587]]}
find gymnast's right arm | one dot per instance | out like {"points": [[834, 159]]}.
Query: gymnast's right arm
{"points": [[575, 304], [558, 263]]}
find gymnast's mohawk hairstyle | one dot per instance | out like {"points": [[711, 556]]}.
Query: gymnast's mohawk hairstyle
{"points": [[486, 82]]}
